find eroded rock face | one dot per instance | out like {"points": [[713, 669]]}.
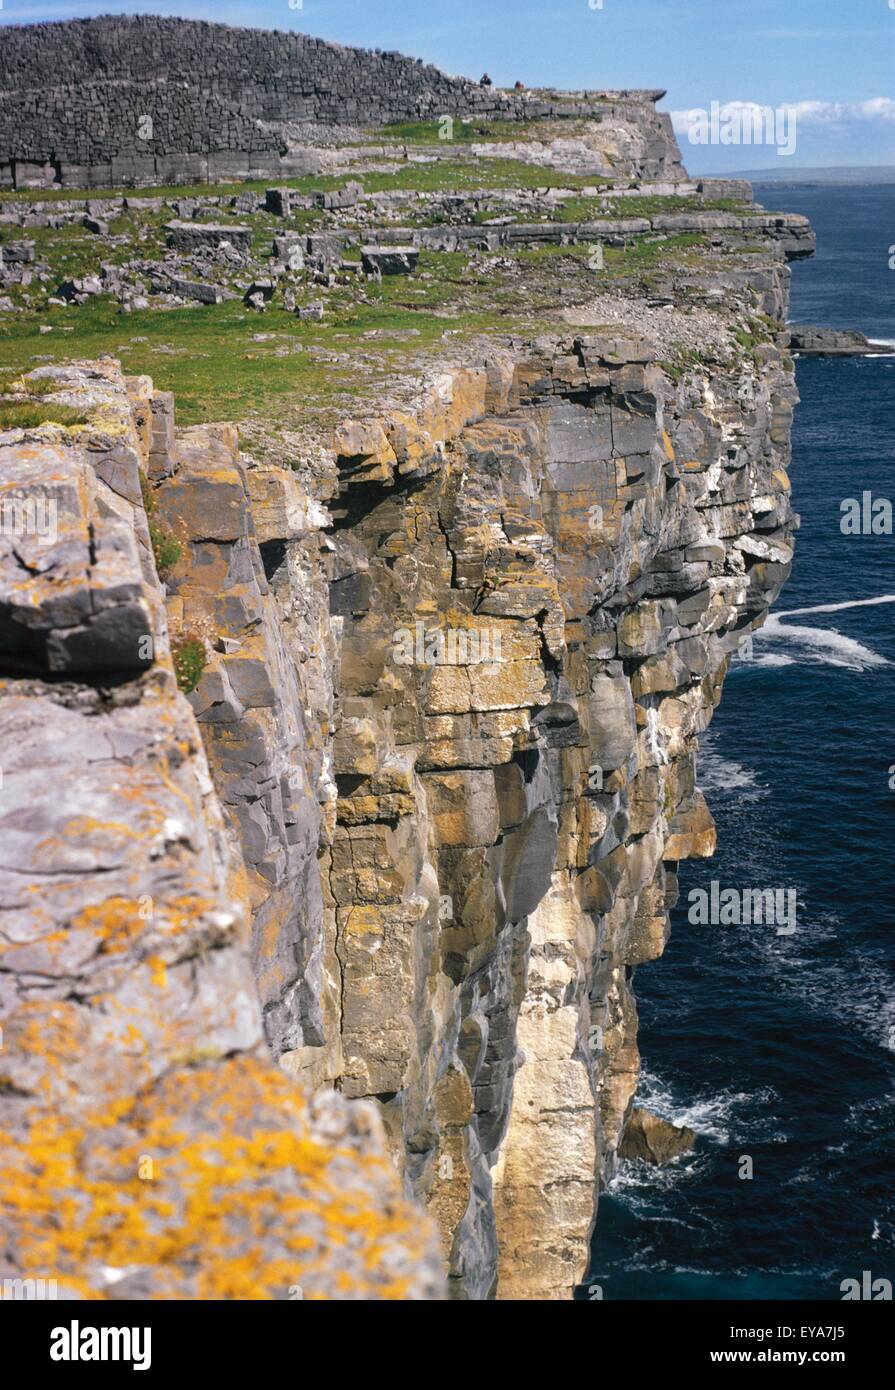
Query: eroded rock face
{"points": [[418, 818], [456, 667], [591, 541]]}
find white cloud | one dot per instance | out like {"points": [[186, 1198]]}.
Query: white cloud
{"points": [[806, 112]]}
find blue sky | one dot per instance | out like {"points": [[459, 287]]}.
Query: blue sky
{"points": [[833, 60]]}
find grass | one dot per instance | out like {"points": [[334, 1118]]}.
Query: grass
{"points": [[684, 361], [227, 362], [189, 657], [166, 548], [21, 415], [440, 175], [590, 209], [472, 130]]}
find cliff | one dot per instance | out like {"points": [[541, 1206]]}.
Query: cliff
{"points": [[347, 770]]}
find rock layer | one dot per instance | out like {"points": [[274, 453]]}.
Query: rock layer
{"points": [[456, 666]]}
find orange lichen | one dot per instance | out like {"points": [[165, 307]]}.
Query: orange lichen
{"points": [[244, 1203]]}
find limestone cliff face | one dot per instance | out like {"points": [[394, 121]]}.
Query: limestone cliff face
{"points": [[416, 820], [457, 664], [462, 662], [456, 669], [509, 828]]}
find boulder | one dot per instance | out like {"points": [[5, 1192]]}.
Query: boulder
{"points": [[390, 260], [654, 1140]]}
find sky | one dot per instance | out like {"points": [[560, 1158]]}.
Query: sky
{"points": [[824, 70]]}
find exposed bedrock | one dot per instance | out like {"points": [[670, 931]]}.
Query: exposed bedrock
{"points": [[509, 826], [456, 667], [409, 833]]}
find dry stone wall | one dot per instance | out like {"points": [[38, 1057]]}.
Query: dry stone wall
{"points": [[130, 100]]}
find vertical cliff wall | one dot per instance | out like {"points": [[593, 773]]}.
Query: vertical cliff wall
{"points": [[535, 580], [456, 670], [148, 1145]]}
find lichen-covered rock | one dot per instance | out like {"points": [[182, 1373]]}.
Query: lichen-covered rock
{"points": [[148, 1146]]}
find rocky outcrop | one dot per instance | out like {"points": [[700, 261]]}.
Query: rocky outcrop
{"points": [[510, 827], [807, 340], [456, 663], [129, 100], [653, 1140], [414, 815]]}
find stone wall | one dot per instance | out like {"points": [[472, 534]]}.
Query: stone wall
{"points": [[106, 102]]}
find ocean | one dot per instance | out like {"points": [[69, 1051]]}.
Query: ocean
{"points": [[782, 1048]]}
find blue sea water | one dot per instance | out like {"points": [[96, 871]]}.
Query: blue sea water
{"points": [[782, 1048]]}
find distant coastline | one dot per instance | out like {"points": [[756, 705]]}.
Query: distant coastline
{"points": [[859, 176]]}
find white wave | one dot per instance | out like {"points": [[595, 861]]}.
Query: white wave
{"points": [[640, 1186], [717, 774], [712, 1117], [857, 992], [824, 646], [834, 607]]}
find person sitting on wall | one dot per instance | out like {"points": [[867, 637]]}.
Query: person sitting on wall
{"points": [[485, 81]]}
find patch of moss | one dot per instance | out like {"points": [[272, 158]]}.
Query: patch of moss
{"points": [[461, 131]]}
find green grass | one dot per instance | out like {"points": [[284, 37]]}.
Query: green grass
{"points": [[225, 362], [591, 209], [166, 548], [20, 415], [189, 657], [442, 175], [684, 361]]}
